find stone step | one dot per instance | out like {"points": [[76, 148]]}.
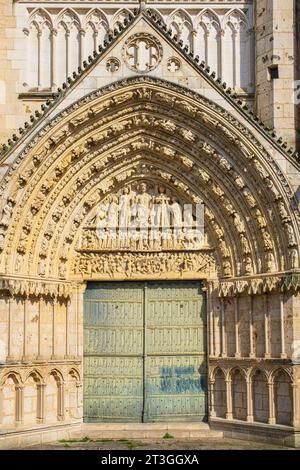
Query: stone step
{"points": [[145, 431]]}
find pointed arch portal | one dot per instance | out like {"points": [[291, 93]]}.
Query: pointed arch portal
{"points": [[180, 148]]}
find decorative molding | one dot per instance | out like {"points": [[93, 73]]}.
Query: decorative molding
{"points": [[289, 282], [36, 288]]}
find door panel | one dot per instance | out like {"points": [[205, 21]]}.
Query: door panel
{"points": [[144, 352], [175, 348], [113, 352]]}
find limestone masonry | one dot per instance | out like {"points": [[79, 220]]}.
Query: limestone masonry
{"points": [[115, 306]]}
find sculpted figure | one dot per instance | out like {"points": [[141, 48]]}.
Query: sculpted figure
{"points": [[290, 234], [125, 208], [2, 238], [62, 268], [161, 201], [238, 223], [249, 198], [260, 219], [282, 211], [143, 205], [245, 244], [45, 244], [268, 243], [225, 164], [42, 267], [7, 213], [239, 182], [227, 269], [269, 260], [248, 265], [293, 256], [224, 250]]}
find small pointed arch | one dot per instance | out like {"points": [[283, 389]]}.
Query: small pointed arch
{"points": [[235, 369], [119, 17], [97, 19], [208, 46], [181, 24], [278, 370], [14, 376], [235, 18], [75, 374], [258, 369], [206, 18], [96, 29], [68, 18], [36, 375], [58, 376], [40, 17], [183, 17]]}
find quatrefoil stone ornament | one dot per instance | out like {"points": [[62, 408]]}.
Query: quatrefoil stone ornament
{"points": [[142, 52]]}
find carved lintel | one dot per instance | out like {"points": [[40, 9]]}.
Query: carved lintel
{"points": [[166, 265]]}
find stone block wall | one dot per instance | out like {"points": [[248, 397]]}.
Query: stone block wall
{"points": [[254, 359], [276, 59], [40, 363]]}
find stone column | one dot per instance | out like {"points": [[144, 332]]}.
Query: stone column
{"points": [[25, 332], [271, 419], [283, 354], [251, 65], [1, 404], [79, 399], [236, 327], [222, 325], [39, 35], [40, 418], [81, 48], [193, 37], [234, 56], [39, 330], [251, 346], [212, 412], [61, 401], [19, 404], [9, 357], [212, 323], [228, 398], [53, 330], [53, 57], [295, 410], [266, 326], [67, 330], [249, 400], [220, 49], [80, 291]]}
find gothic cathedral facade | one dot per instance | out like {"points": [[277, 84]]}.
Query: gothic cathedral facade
{"points": [[149, 216]]}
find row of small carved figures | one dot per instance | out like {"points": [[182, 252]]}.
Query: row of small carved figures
{"points": [[150, 263]]}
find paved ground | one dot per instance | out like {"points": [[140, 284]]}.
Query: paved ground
{"points": [[162, 444]]}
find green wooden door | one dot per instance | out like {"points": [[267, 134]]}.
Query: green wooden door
{"points": [[144, 352]]}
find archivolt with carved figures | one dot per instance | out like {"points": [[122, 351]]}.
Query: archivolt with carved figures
{"points": [[151, 130]]}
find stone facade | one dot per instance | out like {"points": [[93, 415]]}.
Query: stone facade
{"points": [[145, 108]]}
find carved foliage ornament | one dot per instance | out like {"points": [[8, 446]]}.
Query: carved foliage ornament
{"points": [[142, 52]]}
